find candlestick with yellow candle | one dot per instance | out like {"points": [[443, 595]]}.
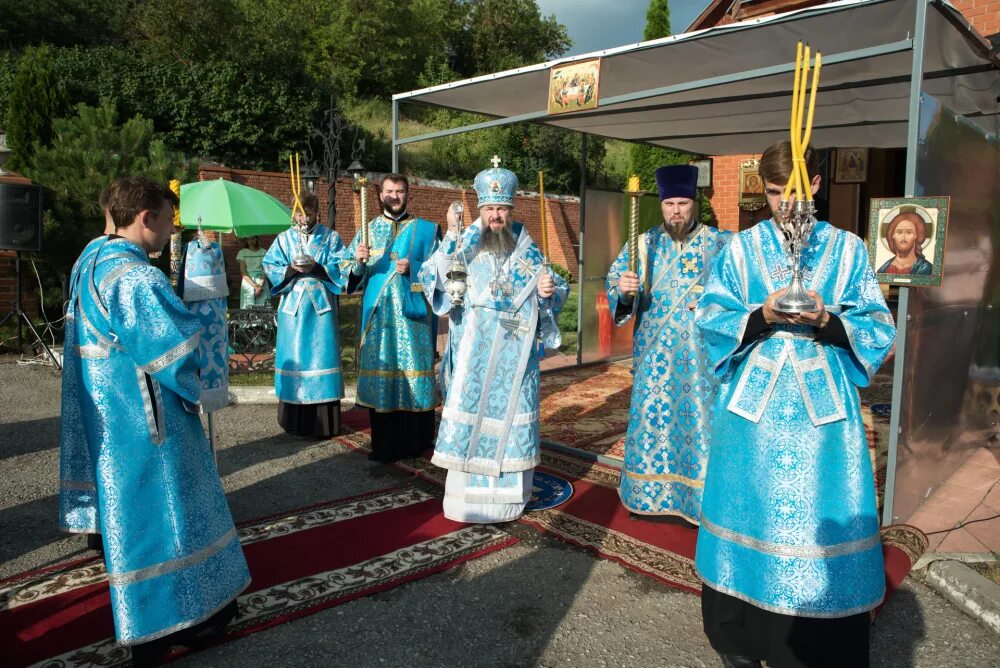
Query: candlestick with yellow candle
{"points": [[633, 225]]}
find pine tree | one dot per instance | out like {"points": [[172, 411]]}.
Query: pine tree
{"points": [[35, 99], [88, 151]]}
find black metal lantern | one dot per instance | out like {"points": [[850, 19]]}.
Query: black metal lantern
{"points": [[357, 172]]}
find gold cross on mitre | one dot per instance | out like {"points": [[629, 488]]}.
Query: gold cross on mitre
{"points": [[495, 161]]}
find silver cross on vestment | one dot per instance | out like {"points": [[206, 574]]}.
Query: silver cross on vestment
{"points": [[781, 274]]}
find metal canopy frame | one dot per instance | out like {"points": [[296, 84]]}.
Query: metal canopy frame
{"points": [[949, 67]]}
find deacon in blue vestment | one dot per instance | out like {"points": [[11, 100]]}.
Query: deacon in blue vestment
{"points": [[489, 433], [77, 489], [396, 362], [307, 374], [788, 548], [666, 444], [173, 558]]}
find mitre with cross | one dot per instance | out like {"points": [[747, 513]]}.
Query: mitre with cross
{"points": [[496, 185]]}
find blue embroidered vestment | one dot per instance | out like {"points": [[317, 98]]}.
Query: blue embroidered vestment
{"points": [[789, 519]]}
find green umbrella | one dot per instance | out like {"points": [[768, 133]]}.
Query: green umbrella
{"points": [[224, 206]]}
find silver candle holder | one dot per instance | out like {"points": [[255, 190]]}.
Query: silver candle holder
{"points": [[796, 224]]}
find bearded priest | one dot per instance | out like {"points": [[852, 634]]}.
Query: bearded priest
{"points": [[489, 433]]}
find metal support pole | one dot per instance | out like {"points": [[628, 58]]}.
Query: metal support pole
{"points": [[17, 299], [395, 135], [902, 313], [580, 278]]}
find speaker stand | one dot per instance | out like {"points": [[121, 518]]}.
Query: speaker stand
{"points": [[22, 318]]}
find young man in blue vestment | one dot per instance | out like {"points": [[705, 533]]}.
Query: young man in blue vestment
{"points": [[488, 438], [174, 561], [304, 266], [77, 495], [396, 379], [666, 444], [788, 548]]}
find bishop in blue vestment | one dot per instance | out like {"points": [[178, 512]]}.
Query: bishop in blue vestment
{"points": [[666, 444], [172, 554], [788, 547], [489, 438]]}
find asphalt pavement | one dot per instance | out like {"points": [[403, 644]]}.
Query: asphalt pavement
{"points": [[540, 602]]}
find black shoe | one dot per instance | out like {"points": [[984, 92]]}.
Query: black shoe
{"points": [[210, 629], [151, 653], [737, 661], [94, 542]]}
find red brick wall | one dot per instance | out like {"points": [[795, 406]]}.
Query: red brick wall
{"points": [[562, 216], [984, 15], [29, 288]]}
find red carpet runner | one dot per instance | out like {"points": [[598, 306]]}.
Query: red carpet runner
{"points": [[342, 550], [594, 518]]}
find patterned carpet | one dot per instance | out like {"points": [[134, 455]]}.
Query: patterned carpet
{"points": [[594, 518], [60, 616]]}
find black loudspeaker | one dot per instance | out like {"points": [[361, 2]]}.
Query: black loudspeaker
{"points": [[20, 217]]}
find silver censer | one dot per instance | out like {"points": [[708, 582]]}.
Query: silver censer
{"points": [[797, 226], [456, 284]]}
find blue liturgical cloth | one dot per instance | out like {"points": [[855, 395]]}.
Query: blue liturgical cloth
{"points": [[171, 550], [77, 487], [204, 291], [396, 370], [666, 444], [789, 519], [307, 355]]}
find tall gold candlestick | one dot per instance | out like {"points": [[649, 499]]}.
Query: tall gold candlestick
{"points": [[633, 225], [541, 217], [363, 194]]}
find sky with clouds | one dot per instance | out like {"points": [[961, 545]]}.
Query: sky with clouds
{"points": [[601, 24]]}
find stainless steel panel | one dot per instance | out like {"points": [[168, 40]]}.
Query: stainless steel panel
{"points": [[953, 337]]}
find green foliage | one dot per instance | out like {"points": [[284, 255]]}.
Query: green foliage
{"points": [[244, 81], [35, 99], [657, 20], [26, 23], [562, 271], [243, 118], [567, 322], [88, 151], [503, 34]]}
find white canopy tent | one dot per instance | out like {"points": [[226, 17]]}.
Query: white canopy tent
{"points": [[727, 90], [892, 69]]}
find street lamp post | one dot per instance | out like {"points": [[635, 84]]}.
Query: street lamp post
{"points": [[329, 162]]}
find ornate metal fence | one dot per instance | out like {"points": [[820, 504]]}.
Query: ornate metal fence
{"points": [[252, 336]]}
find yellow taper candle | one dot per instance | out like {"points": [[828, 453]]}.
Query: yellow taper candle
{"points": [[633, 184], [800, 185], [792, 124], [809, 124]]}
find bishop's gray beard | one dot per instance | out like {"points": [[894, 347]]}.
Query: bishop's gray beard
{"points": [[499, 243]]}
